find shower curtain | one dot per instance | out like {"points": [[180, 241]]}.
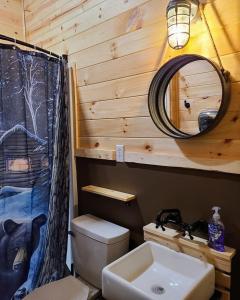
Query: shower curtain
{"points": [[33, 170]]}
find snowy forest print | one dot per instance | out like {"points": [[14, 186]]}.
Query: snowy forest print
{"points": [[29, 92]]}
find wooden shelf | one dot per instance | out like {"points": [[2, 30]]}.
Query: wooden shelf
{"points": [[108, 193]]}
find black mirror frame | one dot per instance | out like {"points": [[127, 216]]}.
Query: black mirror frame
{"points": [[158, 88]]}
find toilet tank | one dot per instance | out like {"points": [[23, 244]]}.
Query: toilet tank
{"points": [[95, 244]]}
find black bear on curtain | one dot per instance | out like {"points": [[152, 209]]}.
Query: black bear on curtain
{"points": [[17, 244]]}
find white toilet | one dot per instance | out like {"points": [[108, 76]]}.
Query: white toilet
{"points": [[96, 243]]}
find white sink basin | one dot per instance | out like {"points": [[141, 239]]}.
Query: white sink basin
{"points": [[152, 271]]}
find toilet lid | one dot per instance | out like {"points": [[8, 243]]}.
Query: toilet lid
{"points": [[99, 229], [68, 288]]}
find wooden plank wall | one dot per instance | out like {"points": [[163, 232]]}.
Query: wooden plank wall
{"points": [[199, 85], [117, 46], [11, 18]]}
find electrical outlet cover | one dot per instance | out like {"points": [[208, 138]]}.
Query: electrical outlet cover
{"points": [[120, 153]]}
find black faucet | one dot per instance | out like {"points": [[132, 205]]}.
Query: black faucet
{"points": [[173, 216], [168, 216]]}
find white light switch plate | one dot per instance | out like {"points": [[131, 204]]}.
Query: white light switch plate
{"points": [[120, 153]]}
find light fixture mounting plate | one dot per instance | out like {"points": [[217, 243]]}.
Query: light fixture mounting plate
{"points": [[206, 1], [194, 8]]}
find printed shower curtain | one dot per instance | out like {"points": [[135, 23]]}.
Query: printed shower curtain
{"points": [[33, 171]]}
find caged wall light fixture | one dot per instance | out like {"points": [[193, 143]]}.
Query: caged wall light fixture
{"points": [[179, 15]]}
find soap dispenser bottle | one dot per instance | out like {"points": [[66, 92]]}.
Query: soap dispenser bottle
{"points": [[216, 231]]}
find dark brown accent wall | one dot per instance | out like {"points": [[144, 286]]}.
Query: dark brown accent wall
{"points": [[193, 192]]}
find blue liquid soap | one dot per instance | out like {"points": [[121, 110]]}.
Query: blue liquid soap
{"points": [[216, 231]]}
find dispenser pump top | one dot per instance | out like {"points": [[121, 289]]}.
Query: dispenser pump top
{"points": [[216, 215]]}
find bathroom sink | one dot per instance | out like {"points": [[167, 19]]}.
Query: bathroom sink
{"points": [[152, 271]]}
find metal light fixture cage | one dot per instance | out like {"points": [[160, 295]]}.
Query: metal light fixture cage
{"points": [[179, 16]]}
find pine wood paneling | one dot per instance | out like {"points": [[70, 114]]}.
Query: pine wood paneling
{"points": [[11, 18], [114, 89], [118, 108], [117, 47], [197, 80], [144, 38], [213, 149], [83, 21], [133, 64]]}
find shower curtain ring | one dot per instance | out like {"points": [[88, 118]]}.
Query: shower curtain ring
{"points": [[35, 49], [15, 43]]}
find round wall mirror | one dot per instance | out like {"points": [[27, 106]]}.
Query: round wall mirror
{"points": [[188, 96]]}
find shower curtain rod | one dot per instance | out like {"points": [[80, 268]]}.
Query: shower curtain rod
{"points": [[10, 39]]}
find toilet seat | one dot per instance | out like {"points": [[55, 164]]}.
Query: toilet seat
{"points": [[68, 288]]}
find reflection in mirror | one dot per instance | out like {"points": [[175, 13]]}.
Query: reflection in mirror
{"points": [[193, 97]]}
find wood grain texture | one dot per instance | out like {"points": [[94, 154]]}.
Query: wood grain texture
{"points": [[125, 197], [117, 47], [223, 279], [225, 295], [195, 81], [11, 19]]}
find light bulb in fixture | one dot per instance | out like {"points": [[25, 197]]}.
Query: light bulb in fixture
{"points": [[179, 16]]}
